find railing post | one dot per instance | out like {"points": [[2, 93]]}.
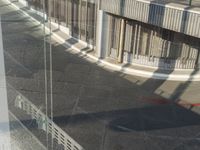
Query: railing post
{"points": [[190, 2], [197, 66]]}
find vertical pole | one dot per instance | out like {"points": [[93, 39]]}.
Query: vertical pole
{"points": [[138, 40], [121, 40], [190, 2], [54, 9], [66, 13], [4, 112], [45, 60], [71, 16], [135, 26], [110, 34], [99, 33], [80, 18], [86, 21], [198, 60], [151, 41]]}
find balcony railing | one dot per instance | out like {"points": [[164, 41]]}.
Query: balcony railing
{"points": [[179, 18], [47, 124], [185, 2]]}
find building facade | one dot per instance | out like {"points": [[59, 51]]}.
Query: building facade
{"points": [[154, 34]]}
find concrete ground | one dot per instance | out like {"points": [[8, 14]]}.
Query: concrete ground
{"points": [[99, 108]]}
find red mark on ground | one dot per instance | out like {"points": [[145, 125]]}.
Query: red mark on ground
{"points": [[155, 101], [188, 105], [165, 101], [197, 104]]}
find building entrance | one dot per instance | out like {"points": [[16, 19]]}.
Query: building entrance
{"points": [[139, 43]]}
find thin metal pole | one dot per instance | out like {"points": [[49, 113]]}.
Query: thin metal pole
{"points": [[51, 78], [45, 71]]}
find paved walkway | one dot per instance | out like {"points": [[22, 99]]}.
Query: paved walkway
{"points": [[99, 108]]}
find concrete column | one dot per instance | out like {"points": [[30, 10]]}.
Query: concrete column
{"points": [[151, 43], [190, 2], [138, 40], [121, 41], [135, 40], [99, 33]]}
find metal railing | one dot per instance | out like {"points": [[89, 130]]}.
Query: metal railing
{"points": [[153, 46], [164, 54], [161, 63], [77, 15], [186, 2], [173, 17], [47, 124]]}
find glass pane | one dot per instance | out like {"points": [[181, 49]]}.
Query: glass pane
{"points": [[23, 90], [99, 74]]}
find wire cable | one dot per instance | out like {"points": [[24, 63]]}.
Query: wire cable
{"points": [[45, 72], [51, 72]]}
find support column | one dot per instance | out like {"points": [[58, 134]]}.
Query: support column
{"points": [[190, 2], [121, 42], [86, 22], [198, 60], [4, 112], [138, 40], [151, 44], [80, 19], [99, 33], [135, 40]]}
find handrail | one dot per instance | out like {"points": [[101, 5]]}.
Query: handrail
{"points": [[47, 124]]}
